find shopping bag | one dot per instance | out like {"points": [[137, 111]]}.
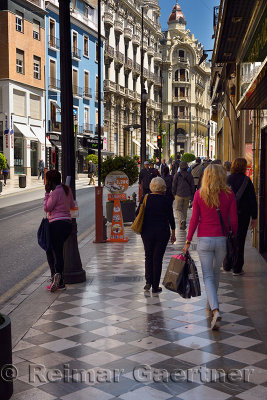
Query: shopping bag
{"points": [[137, 225], [43, 235], [193, 278], [231, 252], [173, 272]]}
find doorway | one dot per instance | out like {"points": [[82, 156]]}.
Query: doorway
{"points": [[34, 158]]}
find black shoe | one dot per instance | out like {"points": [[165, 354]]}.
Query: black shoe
{"points": [[158, 290], [147, 286]]}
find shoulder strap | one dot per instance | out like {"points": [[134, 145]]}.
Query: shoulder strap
{"points": [[242, 188], [145, 199], [224, 231]]}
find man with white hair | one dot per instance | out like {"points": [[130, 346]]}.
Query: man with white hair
{"points": [[91, 172]]}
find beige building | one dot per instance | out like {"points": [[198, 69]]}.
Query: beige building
{"points": [[186, 84], [122, 81]]}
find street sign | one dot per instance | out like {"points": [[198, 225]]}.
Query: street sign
{"points": [[53, 136], [75, 111], [93, 143]]}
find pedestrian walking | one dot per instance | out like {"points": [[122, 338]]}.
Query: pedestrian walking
{"points": [[5, 173], [91, 172], [168, 179], [177, 162], [153, 171], [57, 203], [197, 170], [183, 189], [173, 168], [145, 178], [227, 166], [162, 166], [246, 208], [211, 243], [158, 219], [41, 169]]}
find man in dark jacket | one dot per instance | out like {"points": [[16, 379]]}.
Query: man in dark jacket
{"points": [[197, 172], [177, 163], [41, 169], [183, 189], [145, 177]]}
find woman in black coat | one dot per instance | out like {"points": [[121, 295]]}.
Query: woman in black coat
{"points": [[156, 232], [246, 207], [168, 180]]}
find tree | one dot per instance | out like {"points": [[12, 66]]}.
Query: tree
{"points": [[188, 157], [3, 162], [125, 164]]}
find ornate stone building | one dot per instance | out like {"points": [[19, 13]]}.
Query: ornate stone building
{"points": [[122, 81], [186, 96]]}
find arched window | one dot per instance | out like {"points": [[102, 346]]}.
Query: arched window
{"points": [[176, 75]]}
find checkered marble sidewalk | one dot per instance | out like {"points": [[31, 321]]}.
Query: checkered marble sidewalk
{"points": [[107, 339]]}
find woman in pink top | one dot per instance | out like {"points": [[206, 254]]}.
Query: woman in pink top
{"points": [[57, 203], [214, 194]]}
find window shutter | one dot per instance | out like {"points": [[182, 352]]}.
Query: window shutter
{"points": [[86, 80], [19, 55], [75, 77], [35, 106], [52, 69], [36, 26], [19, 103]]}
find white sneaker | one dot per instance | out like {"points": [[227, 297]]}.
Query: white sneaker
{"points": [[55, 282], [215, 322]]}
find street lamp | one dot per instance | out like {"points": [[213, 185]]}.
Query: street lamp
{"points": [[208, 149], [131, 131], [175, 119]]}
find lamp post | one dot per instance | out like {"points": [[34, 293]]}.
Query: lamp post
{"points": [[73, 271], [131, 131], [143, 97], [208, 149], [175, 119]]}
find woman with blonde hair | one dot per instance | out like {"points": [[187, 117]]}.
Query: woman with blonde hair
{"points": [[213, 196], [158, 219]]}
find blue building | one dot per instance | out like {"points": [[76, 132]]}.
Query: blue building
{"points": [[84, 78]]}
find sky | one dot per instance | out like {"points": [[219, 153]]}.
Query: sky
{"points": [[198, 15]]}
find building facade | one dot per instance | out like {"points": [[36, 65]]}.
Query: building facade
{"points": [[84, 78], [186, 94], [122, 70], [22, 84], [239, 94]]}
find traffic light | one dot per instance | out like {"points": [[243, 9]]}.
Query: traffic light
{"points": [[159, 141]]}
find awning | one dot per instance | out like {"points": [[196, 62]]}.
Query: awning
{"points": [[137, 143], [151, 145], [103, 152], [25, 131], [56, 143], [40, 134]]}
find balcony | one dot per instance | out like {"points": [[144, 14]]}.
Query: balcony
{"points": [[53, 43], [157, 57], [38, 3], [157, 106], [129, 93], [54, 126], [54, 84], [128, 63], [150, 76], [119, 57], [128, 33], [109, 86], [150, 51], [136, 68], [157, 80], [120, 89], [136, 40], [109, 51], [76, 54], [180, 98], [118, 27], [87, 93], [77, 91], [108, 19], [182, 60], [88, 128], [150, 103], [137, 97], [145, 73], [145, 46]]}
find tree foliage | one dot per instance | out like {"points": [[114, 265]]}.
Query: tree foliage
{"points": [[3, 161], [126, 164], [188, 157], [93, 158]]}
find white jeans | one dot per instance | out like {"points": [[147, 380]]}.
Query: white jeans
{"points": [[211, 251]]}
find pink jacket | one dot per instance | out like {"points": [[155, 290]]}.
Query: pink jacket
{"points": [[207, 219], [57, 204]]}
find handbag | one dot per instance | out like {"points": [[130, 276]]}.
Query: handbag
{"points": [[137, 225], [231, 245], [173, 272], [43, 234]]}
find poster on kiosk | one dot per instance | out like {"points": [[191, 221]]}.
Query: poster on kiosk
{"points": [[117, 183]]}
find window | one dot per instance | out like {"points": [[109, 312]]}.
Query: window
{"points": [[86, 83], [134, 84], [36, 29], [176, 75], [19, 103], [75, 44], [35, 106], [36, 67], [19, 22], [86, 117], [176, 92], [106, 71], [96, 88], [20, 61], [181, 53], [126, 80], [52, 33], [85, 46], [117, 76], [75, 81]]}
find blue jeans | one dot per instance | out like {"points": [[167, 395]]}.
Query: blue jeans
{"points": [[211, 251]]}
